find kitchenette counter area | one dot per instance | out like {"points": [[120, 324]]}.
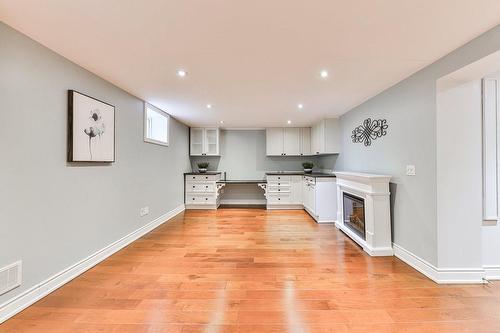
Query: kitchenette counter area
{"points": [[314, 192]]}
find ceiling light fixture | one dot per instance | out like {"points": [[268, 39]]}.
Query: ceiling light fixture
{"points": [[288, 122], [222, 121], [300, 106], [209, 106], [181, 73], [324, 74]]}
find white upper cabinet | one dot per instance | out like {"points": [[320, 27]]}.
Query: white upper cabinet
{"points": [[204, 141], [274, 141], [305, 141], [288, 141], [325, 137], [291, 141]]}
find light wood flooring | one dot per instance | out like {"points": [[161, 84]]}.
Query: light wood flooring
{"points": [[252, 270]]}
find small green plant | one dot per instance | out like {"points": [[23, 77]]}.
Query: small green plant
{"points": [[203, 165], [307, 165]]}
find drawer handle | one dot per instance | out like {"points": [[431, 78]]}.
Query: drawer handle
{"points": [[279, 178], [206, 177]]}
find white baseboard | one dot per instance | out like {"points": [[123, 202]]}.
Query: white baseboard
{"points": [[243, 201], [492, 272], [440, 275], [30, 296]]}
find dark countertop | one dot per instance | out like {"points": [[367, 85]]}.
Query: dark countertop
{"points": [[300, 173], [237, 181], [203, 173]]}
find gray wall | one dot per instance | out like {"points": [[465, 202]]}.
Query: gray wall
{"points": [[243, 156], [410, 109], [53, 214]]}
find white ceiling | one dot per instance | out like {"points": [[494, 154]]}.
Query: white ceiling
{"points": [[254, 61]]}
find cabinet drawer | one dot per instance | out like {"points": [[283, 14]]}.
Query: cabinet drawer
{"points": [[278, 198], [278, 189], [198, 178], [279, 183], [194, 187], [199, 200], [274, 178]]}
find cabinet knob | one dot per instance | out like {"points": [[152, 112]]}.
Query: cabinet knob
{"points": [[206, 198], [279, 190], [193, 198], [279, 198], [193, 186]]}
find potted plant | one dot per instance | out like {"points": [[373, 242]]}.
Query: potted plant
{"points": [[308, 167], [202, 167]]}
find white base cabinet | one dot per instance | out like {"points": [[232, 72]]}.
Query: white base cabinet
{"points": [[284, 192], [319, 198], [202, 191]]}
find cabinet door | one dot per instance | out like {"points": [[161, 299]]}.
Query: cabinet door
{"points": [[296, 190], [274, 141], [196, 141], [305, 141], [318, 138], [211, 138], [291, 141], [332, 136]]}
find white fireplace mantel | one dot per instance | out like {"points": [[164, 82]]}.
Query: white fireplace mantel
{"points": [[374, 190]]}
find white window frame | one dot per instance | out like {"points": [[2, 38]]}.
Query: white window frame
{"points": [[167, 116]]}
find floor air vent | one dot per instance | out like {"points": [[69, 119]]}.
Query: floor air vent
{"points": [[10, 277]]}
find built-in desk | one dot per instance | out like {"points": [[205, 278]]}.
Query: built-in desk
{"points": [[244, 182], [235, 192]]}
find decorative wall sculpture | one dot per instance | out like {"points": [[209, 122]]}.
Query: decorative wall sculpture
{"points": [[369, 131]]}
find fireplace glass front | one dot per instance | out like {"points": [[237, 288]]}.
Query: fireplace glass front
{"points": [[354, 214]]}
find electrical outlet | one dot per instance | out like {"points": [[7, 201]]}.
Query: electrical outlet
{"points": [[144, 211], [410, 170]]}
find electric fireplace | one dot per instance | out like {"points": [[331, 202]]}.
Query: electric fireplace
{"points": [[354, 214]]}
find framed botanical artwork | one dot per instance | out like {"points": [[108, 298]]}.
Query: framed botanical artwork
{"points": [[91, 129]]}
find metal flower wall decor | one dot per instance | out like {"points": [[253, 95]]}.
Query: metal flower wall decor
{"points": [[369, 131]]}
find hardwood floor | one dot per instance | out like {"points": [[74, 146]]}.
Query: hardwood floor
{"points": [[252, 270]]}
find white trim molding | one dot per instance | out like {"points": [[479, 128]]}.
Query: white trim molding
{"points": [[492, 272], [30, 296], [440, 275]]}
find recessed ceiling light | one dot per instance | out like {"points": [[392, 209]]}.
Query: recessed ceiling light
{"points": [[300, 106], [288, 122], [209, 106], [181, 73], [222, 121], [324, 74]]}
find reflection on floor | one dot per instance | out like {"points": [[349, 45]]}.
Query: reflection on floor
{"points": [[252, 270]]}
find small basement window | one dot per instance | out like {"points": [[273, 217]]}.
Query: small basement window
{"points": [[156, 125]]}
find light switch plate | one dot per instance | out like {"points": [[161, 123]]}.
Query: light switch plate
{"points": [[410, 170]]}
